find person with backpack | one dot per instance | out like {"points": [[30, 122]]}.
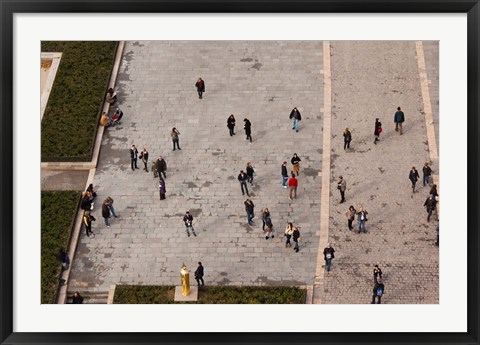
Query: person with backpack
{"points": [[328, 256], [399, 119], [413, 177], [377, 131], [378, 291], [296, 116], [200, 85]]}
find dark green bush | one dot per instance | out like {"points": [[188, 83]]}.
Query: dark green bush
{"points": [[145, 294], [57, 217], [69, 124]]}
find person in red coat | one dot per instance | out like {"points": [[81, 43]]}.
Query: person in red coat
{"points": [[293, 184]]}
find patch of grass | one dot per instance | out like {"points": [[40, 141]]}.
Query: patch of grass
{"points": [[57, 217], [148, 294], [70, 121]]}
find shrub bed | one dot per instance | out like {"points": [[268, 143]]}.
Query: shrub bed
{"points": [[57, 217], [70, 121], [147, 294]]}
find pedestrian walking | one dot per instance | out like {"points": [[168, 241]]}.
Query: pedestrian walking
{"points": [[161, 166], [342, 186], [249, 207], [284, 175], [430, 205], [175, 138], [293, 184], [77, 298], [162, 188], [231, 124], [265, 215], [105, 214], [377, 273], [296, 117], [109, 202], [188, 220], [328, 256], [427, 173], [399, 119], [361, 218], [87, 220], [413, 177], [133, 157], [144, 158], [296, 238], [199, 272], [347, 138], [250, 173], [433, 191], [269, 231], [248, 129], [242, 178], [378, 291], [377, 131], [288, 234], [350, 214], [200, 85], [295, 164]]}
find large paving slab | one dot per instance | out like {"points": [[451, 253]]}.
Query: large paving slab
{"points": [[369, 80], [259, 80]]}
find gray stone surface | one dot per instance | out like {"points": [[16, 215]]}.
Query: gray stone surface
{"points": [[64, 180]]}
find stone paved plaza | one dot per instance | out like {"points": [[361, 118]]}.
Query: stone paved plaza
{"points": [[263, 81]]}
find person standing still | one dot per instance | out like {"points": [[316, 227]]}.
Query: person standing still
{"points": [[175, 138], [342, 186], [188, 220], [296, 238], [295, 164], [248, 129], [105, 213], [377, 131], [231, 124], [250, 172], [427, 172], [284, 175], [242, 178], [133, 157], [413, 177], [377, 274], [268, 223], [109, 202], [87, 220], [162, 188], [399, 119], [293, 184], [249, 208], [265, 215], [200, 85], [288, 234], [199, 272], [362, 218], [296, 116], [347, 138], [350, 214], [144, 158], [378, 291], [161, 166], [328, 256], [77, 298]]}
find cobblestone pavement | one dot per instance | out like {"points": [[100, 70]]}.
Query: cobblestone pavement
{"points": [[382, 76], [264, 81]]}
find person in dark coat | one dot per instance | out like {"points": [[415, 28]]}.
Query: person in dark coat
{"points": [[399, 119], [200, 85], [64, 259], [347, 138], [144, 158], [284, 175], [296, 238], [350, 214], [433, 191], [231, 124], [242, 178], [296, 116], [249, 208], [328, 256], [377, 131], [133, 157], [427, 173], [248, 129], [288, 234], [161, 166], [265, 215], [413, 177], [250, 172], [377, 273], [106, 213], [175, 138], [92, 191], [430, 205], [342, 186], [87, 220], [295, 164], [162, 188], [188, 220], [378, 291], [86, 204], [77, 298], [269, 224], [199, 272]]}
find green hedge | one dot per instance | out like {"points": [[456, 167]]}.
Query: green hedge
{"points": [[57, 217], [147, 294], [71, 117]]}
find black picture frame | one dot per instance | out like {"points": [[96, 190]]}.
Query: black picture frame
{"points": [[10, 7]]}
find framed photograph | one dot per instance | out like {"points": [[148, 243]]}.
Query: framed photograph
{"points": [[239, 172]]}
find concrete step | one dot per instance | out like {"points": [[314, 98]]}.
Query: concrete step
{"points": [[89, 297]]}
